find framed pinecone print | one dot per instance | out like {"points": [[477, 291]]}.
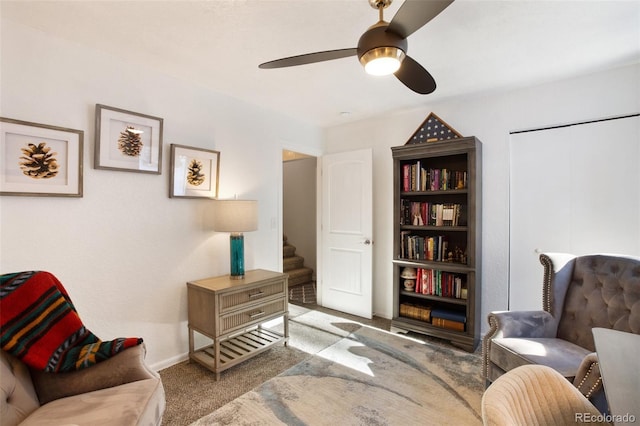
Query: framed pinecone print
{"points": [[39, 159], [128, 141], [194, 172]]}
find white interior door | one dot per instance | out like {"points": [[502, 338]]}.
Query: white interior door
{"points": [[347, 223]]}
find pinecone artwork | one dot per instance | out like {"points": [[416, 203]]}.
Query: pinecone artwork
{"points": [[38, 162], [195, 176], [130, 142]]}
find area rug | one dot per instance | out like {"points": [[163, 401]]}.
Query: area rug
{"points": [[303, 293], [367, 377]]}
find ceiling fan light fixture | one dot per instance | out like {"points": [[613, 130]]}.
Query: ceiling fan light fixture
{"points": [[382, 60]]}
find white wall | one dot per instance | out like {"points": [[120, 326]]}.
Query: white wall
{"points": [[299, 211], [125, 250], [489, 117]]}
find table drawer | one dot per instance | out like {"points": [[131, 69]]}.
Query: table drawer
{"points": [[234, 299], [251, 315]]}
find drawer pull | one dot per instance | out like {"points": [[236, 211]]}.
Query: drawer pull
{"points": [[256, 314], [256, 294]]}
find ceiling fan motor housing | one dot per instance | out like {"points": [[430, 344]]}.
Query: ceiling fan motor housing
{"points": [[378, 36]]}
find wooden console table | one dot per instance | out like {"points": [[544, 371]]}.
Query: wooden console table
{"points": [[231, 313]]}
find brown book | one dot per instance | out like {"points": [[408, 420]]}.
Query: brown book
{"points": [[449, 324], [421, 313]]}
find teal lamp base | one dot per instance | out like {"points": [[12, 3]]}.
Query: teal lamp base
{"points": [[236, 241]]}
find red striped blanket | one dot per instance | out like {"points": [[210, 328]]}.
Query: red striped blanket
{"points": [[40, 325]]}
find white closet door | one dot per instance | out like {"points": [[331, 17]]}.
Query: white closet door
{"points": [[575, 190]]}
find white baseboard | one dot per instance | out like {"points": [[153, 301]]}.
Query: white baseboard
{"points": [[169, 362]]}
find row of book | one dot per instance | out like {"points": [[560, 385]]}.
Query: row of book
{"points": [[430, 214], [432, 248], [417, 178], [443, 318], [418, 247], [439, 283]]}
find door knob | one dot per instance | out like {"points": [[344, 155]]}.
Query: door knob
{"points": [[367, 242]]}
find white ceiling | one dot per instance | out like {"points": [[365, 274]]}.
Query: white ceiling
{"points": [[473, 46]]}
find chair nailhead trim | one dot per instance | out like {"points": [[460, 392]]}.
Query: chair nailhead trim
{"points": [[486, 343], [584, 379]]}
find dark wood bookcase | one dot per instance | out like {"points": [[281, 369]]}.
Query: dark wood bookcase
{"points": [[437, 233]]}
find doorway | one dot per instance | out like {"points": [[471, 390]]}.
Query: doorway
{"points": [[299, 224]]}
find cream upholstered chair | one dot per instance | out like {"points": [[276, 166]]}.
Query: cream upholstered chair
{"points": [[537, 395], [119, 391], [579, 293], [53, 371]]}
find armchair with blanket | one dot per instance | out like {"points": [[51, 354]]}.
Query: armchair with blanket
{"points": [[579, 293], [55, 371]]}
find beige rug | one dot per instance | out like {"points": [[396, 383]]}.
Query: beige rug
{"points": [[303, 293], [367, 377]]}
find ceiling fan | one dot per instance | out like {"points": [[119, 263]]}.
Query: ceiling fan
{"points": [[382, 49]]}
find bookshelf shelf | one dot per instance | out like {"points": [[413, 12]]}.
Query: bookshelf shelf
{"points": [[433, 193], [443, 266], [435, 228], [437, 219], [439, 299]]}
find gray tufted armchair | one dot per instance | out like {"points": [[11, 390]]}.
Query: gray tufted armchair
{"points": [[579, 293]]}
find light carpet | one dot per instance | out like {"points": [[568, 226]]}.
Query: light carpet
{"points": [[367, 377]]}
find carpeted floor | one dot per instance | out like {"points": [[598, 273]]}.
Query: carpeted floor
{"points": [[335, 370]]}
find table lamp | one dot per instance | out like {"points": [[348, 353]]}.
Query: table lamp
{"points": [[236, 217]]}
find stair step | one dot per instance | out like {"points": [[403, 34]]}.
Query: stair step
{"points": [[288, 250], [293, 262], [300, 276]]}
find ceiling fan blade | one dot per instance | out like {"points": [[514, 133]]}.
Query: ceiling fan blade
{"points": [[309, 58], [414, 14], [415, 77]]}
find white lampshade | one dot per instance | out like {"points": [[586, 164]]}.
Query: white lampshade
{"points": [[235, 215]]}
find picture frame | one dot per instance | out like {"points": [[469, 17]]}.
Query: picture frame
{"points": [[40, 159], [128, 141], [194, 172]]}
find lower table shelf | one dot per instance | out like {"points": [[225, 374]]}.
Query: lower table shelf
{"points": [[237, 349]]}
